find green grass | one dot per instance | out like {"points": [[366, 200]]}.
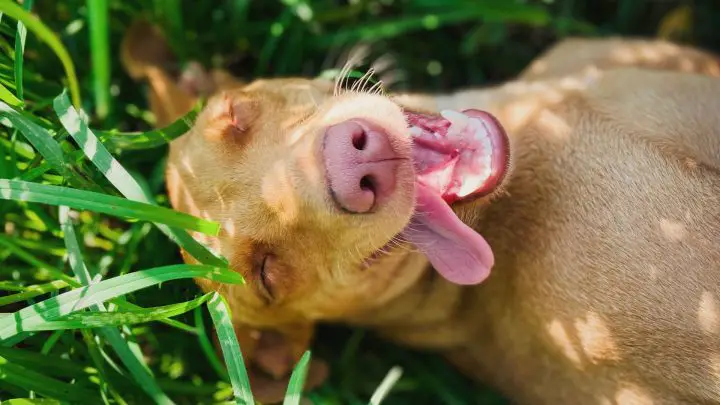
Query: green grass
{"points": [[96, 305]]}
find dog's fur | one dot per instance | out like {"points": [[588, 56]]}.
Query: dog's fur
{"points": [[605, 233]]}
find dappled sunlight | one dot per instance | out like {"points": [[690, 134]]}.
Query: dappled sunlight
{"points": [[553, 125], [686, 65], [652, 272], [603, 400], [190, 206], [278, 193], [539, 67], [596, 339], [520, 114], [632, 394], [672, 230], [229, 227], [707, 313], [714, 360], [313, 170], [187, 165], [560, 337], [295, 136]]}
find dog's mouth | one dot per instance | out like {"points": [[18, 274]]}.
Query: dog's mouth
{"points": [[457, 156]]}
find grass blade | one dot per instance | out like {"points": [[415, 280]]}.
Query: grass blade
{"points": [[121, 179], [85, 297], [100, 55], [128, 352], [7, 96], [106, 204], [33, 291], [386, 385], [207, 346], [529, 15], [50, 387], [38, 137], [20, 36], [36, 26], [95, 150], [297, 381], [222, 320], [86, 320], [31, 401], [27, 257], [150, 139]]}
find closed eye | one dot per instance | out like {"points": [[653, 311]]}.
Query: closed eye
{"points": [[263, 278]]}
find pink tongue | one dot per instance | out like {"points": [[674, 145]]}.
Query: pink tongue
{"points": [[456, 251]]}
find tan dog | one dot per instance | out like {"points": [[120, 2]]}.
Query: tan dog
{"points": [[602, 241]]}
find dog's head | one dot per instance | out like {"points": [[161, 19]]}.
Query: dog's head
{"points": [[331, 200], [319, 191]]}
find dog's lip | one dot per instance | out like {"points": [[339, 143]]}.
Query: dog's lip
{"points": [[381, 252]]}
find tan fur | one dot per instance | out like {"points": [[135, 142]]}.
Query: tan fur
{"points": [[607, 275]]}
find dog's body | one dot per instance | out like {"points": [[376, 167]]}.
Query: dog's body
{"points": [[606, 276]]}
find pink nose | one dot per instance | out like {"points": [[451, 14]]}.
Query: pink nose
{"points": [[361, 165]]}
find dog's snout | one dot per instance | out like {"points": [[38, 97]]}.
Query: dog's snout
{"points": [[361, 165]]}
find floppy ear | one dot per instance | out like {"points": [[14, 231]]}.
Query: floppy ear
{"points": [[146, 56]]}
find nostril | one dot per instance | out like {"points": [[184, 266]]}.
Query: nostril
{"points": [[359, 140], [367, 183]]}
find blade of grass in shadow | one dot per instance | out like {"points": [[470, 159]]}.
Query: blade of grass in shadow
{"points": [[46, 386], [31, 401], [95, 353], [12, 9], [24, 255], [129, 353], [222, 320], [105, 290], [100, 55], [386, 385], [207, 347], [97, 153], [297, 381], [106, 204], [38, 137], [528, 15], [87, 320], [33, 291], [20, 36], [51, 342], [151, 139]]}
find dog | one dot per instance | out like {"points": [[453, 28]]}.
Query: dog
{"points": [[555, 236]]}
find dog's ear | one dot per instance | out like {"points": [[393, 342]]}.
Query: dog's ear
{"points": [[146, 56]]}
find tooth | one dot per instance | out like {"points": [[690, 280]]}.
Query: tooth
{"points": [[455, 117], [468, 186], [458, 122]]}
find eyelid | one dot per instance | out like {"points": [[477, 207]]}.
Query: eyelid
{"points": [[262, 277]]}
